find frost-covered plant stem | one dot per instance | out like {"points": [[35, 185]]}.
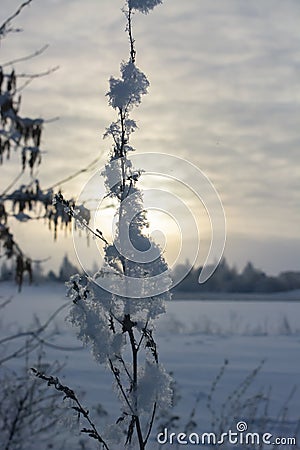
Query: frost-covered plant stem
{"points": [[134, 387], [118, 324], [70, 394], [135, 349], [131, 40], [132, 379]]}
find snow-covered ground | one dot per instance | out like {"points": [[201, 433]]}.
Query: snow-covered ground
{"points": [[194, 339]]}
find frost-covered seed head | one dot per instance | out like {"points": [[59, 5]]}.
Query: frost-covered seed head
{"points": [[144, 6]]}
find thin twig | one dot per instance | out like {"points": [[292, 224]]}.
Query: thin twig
{"points": [[70, 177], [6, 302], [31, 77], [33, 334], [72, 212], [135, 385], [142, 336], [69, 393], [120, 386], [125, 367], [12, 184], [27, 57], [38, 75], [38, 330], [13, 16], [150, 424], [57, 347], [131, 40]]}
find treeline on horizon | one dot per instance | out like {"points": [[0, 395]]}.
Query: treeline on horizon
{"points": [[229, 279], [226, 278], [65, 271]]}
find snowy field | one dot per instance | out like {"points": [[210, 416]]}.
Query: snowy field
{"points": [[197, 340]]}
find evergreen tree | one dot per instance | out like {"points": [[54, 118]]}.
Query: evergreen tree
{"points": [[6, 272], [67, 269]]}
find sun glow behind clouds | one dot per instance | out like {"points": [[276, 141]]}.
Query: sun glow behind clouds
{"points": [[165, 232], [175, 217]]}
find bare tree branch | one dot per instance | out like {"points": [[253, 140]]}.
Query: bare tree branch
{"points": [[3, 27], [70, 177], [6, 302], [31, 77], [151, 423], [27, 57], [38, 75], [117, 378], [11, 184], [34, 337]]}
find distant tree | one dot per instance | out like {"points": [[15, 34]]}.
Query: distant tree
{"points": [[38, 271], [67, 269], [268, 284], [6, 272], [188, 281], [289, 280], [228, 279], [222, 279], [51, 276], [250, 276]]}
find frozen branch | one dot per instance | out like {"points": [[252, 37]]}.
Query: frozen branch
{"points": [[70, 394], [27, 57], [3, 28], [90, 166], [34, 336]]}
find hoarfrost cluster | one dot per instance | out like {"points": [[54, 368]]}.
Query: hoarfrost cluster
{"points": [[144, 6], [127, 91]]}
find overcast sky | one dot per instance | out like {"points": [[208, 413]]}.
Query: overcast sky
{"points": [[224, 95]]}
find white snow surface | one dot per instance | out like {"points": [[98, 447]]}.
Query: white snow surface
{"points": [[194, 339]]}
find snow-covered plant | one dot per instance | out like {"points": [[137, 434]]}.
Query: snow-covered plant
{"points": [[115, 310]]}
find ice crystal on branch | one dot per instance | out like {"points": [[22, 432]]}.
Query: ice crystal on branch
{"points": [[127, 91], [92, 321], [154, 386], [16, 131], [144, 6]]}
